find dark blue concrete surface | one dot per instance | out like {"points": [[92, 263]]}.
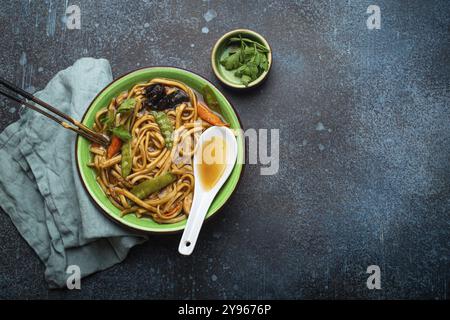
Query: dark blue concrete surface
{"points": [[373, 187]]}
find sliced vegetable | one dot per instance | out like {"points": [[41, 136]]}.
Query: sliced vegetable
{"points": [[127, 105], [122, 133], [126, 159], [206, 114], [146, 188], [210, 98], [114, 146], [165, 126]]}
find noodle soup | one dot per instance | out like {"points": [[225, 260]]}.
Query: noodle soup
{"points": [[147, 169]]}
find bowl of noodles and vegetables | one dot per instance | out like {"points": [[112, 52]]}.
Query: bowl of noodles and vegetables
{"points": [[153, 117]]}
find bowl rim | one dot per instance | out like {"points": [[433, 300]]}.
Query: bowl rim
{"points": [[214, 52], [122, 222]]}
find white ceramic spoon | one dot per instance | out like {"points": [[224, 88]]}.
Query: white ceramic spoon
{"points": [[202, 195]]}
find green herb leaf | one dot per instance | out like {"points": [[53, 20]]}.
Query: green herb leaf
{"points": [[232, 61], [127, 105], [264, 63], [257, 58], [249, 52], [238, 72], [251, 70], [121, 133], [246, 80]]}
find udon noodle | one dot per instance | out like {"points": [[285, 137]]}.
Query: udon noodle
{"points": [[151, 156]]}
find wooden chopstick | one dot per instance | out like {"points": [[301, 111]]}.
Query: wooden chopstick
{"points": [[79, 128]]}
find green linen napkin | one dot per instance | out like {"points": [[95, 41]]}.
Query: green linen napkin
{"points": [[40, 188]]}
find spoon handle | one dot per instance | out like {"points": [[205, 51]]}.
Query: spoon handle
{"points": [[200, 206]]}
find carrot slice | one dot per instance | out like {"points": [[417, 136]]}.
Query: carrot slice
{"points": [[206, 114], [114, 146]]}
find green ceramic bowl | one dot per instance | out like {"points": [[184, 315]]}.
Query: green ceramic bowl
{"points": [[125, 83], [220, 51]]}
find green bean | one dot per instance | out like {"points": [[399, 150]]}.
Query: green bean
{"points": [[126, 159], [144, 189], [165, 126]]}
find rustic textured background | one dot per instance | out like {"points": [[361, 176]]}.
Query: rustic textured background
{"points": [[364, 146]]}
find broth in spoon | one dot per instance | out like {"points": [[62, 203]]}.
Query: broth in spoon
{"points": [[213, 161]]}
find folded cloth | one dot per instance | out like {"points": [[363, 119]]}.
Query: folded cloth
{"points": [[40, 188]]}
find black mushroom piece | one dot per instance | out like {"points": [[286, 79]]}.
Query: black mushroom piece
{"points": [[157, 99], [154, 93], [173, 99]]}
